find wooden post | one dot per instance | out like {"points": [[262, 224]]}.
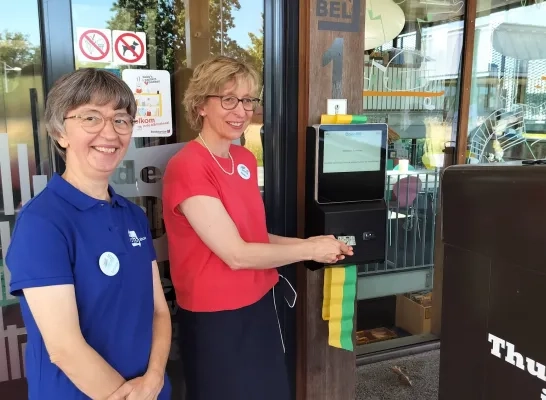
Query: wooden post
{"points": [[458, 158], [436, 319], [197, 32], [331, 66], [466, 79], [198, 38]]}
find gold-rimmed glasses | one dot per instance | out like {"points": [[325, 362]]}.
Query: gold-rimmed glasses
{"points": [[94, 122]]}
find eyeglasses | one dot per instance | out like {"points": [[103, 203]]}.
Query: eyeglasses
{"points": [[231, 102], [94, 122]]}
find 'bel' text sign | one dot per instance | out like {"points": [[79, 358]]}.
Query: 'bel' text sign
{"points": [[338, 16]]}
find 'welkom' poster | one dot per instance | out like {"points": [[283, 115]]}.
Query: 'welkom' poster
{"points": [[152, 90]]}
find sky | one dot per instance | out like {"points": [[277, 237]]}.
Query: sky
{"points": [[22, 16]]}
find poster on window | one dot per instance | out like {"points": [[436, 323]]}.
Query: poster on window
{"points": [[152, 90]]}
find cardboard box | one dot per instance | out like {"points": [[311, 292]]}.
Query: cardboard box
{"points": [[412, 316]]}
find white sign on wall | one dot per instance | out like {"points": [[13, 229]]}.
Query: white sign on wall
{"points": [[94, 45], [129, 48], [152, 90]]}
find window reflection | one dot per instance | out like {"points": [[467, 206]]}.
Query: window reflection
{"points": [[508, 93], [180, 34], [412, 63], [24, 166]]}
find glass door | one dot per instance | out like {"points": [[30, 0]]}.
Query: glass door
{"points": [[24, 165]]}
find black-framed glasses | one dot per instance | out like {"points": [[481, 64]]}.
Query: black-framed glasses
{"points": [[94, 122], [231, 102]]}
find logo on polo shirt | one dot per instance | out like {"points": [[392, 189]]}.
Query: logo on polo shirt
{"points": [[134, 239]]}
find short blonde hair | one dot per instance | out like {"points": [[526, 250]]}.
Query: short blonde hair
{"points": [[209, 78]]}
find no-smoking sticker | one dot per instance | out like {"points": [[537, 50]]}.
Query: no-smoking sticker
{"points": [[94, 45], [129, 48]]}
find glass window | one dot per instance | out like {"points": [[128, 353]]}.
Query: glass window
{"points": [[24, 165], [413, 52], [165, 39], [508, 93]]}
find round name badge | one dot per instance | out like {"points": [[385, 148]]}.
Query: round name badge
{"points": [[109, 263], [243, 171]]}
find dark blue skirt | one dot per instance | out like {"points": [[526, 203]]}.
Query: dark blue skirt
{"points": [[234, 355]]}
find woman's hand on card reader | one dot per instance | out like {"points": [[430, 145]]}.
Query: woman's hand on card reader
{"points": [[328, 250]]}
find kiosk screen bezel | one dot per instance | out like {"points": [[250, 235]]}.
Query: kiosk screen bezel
{"points": [[343, 187]]}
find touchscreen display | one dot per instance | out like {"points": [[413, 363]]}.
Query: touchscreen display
{"points": [[352, 151]]}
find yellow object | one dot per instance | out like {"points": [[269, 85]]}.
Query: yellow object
{"points": [[339, 305], [327, 294], [343, 119], [438, 134]]}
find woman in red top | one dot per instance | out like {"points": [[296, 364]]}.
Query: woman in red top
{"points": [[223, 261]]}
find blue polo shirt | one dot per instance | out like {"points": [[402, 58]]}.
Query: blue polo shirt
{"points": [[59, 238]]}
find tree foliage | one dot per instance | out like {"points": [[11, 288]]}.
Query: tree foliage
{"points": [[164, 23], [256, 49], [17, 51]]}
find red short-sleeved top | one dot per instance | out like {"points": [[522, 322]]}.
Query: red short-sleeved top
{"points": [[202, 281]]}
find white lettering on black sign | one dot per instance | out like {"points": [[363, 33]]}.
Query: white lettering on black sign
{"points": [[511, 356]]}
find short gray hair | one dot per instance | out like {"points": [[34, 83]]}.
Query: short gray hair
{"points": [[84, 86]]}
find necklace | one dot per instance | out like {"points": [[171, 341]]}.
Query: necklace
{"points": [[213, 156]]}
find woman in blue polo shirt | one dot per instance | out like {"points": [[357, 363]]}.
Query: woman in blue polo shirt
{"points": [[82, 259]]}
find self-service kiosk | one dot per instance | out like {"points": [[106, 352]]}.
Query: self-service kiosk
{"points": [[345, 188]]}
